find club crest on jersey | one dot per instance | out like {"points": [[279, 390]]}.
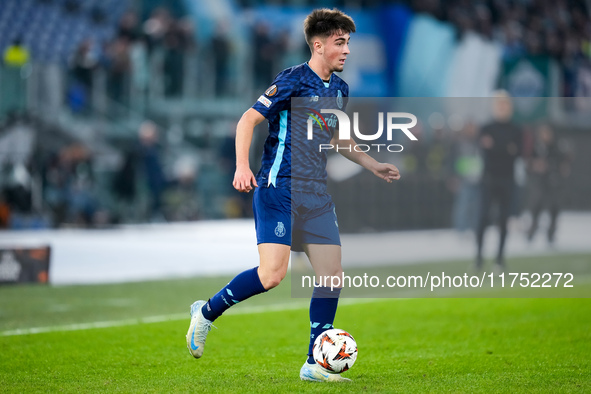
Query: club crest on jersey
{"points": [[272, 91], [340, 99], [280, 229]]}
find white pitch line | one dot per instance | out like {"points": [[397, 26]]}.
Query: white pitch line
{"points": [[175, 316]]}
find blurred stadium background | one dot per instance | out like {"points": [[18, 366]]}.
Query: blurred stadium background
{"points": [[119, 113]]}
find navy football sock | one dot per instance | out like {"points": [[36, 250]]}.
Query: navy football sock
{"points": [[323, 308], [243, 286]]}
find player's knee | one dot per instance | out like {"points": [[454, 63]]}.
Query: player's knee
{"points": [[338, 272], [272, 279], [334, 273]]}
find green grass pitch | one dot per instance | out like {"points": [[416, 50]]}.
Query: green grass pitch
{"points": [[405, 345]]}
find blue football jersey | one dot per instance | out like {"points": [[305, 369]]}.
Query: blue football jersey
{"points": [[290, 159]]}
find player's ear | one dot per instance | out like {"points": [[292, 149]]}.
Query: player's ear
{"points": [[318, 46]]}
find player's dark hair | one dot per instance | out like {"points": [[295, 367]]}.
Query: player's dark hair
{"points": [[324, 23]]}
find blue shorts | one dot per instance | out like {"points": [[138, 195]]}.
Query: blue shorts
{"points": [[294, 218]]}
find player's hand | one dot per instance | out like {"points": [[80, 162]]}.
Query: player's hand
{"points": [[244, 180], [387, 172]]}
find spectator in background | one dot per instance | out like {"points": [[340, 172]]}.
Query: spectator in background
{"points": [[4, 211], [55, 193], [69, 186], [264, 55], [513, 47], [124, 184], [17, 188], [15, 57], [81, 202], [501, 143], [182, 197], [177, 41], [238, 205], [483, 21], [82, 65], [549, 165], [140, 74], [129, 26], [149, 155], [282, 47], [118, 70], [220, 47], [130, 31], [174, 51], [156, 27], [559, 29]]}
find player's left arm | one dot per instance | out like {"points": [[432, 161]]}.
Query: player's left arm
{"points": [[386, 171]]}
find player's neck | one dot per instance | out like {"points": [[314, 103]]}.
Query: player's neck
{"points": [[320, 69]]}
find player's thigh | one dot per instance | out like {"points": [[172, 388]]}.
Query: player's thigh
{"points": [[274, 258], [272, 216], [315, 221], [324, 258]]}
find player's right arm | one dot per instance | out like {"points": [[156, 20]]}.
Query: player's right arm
{"points": [[244, 179]]}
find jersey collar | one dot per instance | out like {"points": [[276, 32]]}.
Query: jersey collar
{"points": [[326, 84]]}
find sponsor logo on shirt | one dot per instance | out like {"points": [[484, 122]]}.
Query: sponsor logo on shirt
{"points": [[265, 101]]}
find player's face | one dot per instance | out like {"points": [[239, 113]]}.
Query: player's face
{"points": [[336, 49]]}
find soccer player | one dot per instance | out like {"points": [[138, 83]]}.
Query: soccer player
{"points": [[291, 206]]}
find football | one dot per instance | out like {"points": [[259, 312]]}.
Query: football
{"points": [[335, 350]]}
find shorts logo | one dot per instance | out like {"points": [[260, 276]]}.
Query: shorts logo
{"points": [[265, 101], [334, 210], [272, 91], [280, 229]]}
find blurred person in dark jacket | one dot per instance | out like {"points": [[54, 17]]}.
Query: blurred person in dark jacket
{"points": [[118, 64], [220, 46], [501, 144], [175, 47], [264, 53], [82, 65], [149, 155], [548, 166]]}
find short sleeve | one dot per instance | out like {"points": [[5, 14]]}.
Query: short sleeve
{"points": [[277, 97]]}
